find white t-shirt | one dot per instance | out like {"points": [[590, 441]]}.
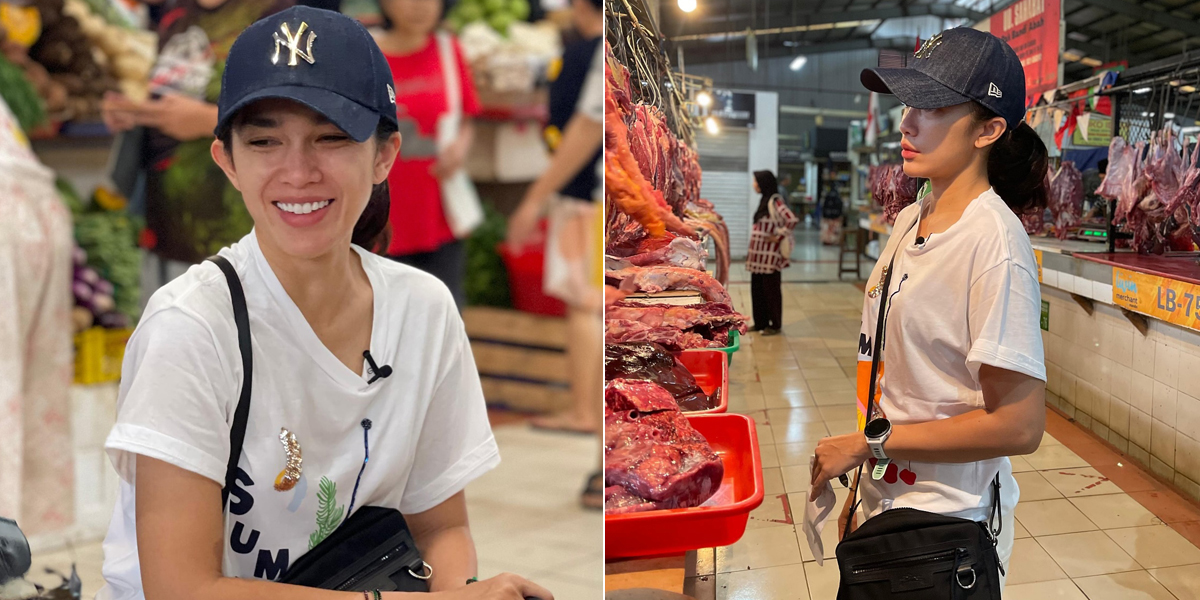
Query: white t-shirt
{"points": [[968, 296], [181, 381]]}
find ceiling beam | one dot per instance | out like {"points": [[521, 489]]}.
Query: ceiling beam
{"points": [[945, 11], [1162, 19], [716, 53]]}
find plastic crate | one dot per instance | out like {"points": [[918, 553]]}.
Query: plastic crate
{"points": [[735, 344], [667, 532], [711, 370], [99, 353]]}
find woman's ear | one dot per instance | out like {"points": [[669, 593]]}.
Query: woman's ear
{"points": [[224, 159], [991, 132], [386, 157]]}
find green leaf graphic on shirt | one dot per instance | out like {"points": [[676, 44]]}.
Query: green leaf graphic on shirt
{"points": [[329, 514]]}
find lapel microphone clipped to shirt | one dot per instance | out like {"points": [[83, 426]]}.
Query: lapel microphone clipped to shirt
{"points": [[376, 372]]}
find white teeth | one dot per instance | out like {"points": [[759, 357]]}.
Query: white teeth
{"points": [[302, 209]]}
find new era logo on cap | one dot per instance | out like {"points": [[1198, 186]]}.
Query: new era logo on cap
{"points": [[994, 91]]}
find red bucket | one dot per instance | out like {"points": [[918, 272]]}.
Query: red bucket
{"points": [[526, 270]]}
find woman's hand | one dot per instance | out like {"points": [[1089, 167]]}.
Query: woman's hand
{"points": [[449, 161], [837, 456], [523, 224], [176, 116], [501, 587], [117, 111]]}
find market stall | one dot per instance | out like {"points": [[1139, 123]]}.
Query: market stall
{"points": [[680, 474], [1122, 348]]}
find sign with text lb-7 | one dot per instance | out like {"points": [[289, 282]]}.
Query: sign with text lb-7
{"points": [[1169, 300], [1032, 28]]}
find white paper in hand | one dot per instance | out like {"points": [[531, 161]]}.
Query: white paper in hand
{"points": [[816, 513]]}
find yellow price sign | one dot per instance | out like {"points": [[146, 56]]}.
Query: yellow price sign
{"points": [[1038, 254], [1169, 300]]}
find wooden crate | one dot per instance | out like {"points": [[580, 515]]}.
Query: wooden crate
{"points": [[521, 358]]}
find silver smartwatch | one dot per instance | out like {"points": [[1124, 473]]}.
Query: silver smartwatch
{"points": [[877, 432]]}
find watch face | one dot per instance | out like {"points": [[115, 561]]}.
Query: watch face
{"points": [[877, 428]]}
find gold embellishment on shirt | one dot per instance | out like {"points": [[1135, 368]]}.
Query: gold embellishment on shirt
{"points": [[929, 45], [292, 43], [874, 291], [290, 474]]}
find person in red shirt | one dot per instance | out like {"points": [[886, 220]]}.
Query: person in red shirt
{"points": [[421, 234]]}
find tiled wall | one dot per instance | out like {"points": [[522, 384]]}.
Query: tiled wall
{"points": [[1141, 393]]}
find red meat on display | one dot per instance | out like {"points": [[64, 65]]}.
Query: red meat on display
{"points": [[653, 459], [654, 363], [1066, 198], [892, 189], [652, 280]]}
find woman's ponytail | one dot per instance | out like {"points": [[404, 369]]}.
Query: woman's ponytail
{"points": [[1017, 166], [373, 231]]}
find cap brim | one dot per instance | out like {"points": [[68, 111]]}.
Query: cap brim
{"points": [[911, 87], [358, 121]]}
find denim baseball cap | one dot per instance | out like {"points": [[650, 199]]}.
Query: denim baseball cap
{"points": [[956, 66], [318, 58]]}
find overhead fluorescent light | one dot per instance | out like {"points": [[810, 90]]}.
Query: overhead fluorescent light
{"points": [[1144, 90], [704, 99], [798, 63], [1187, 89], [710, 124], [1169, 116], [1071, 56], [1078, 37], [687, 5], [1091, 62]]}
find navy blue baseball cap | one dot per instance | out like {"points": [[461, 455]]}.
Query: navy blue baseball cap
{"points": [[318, 58], [956, 66]]}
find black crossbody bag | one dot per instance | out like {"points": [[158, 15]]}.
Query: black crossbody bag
{"points": [[372, 549], [913, 554]]}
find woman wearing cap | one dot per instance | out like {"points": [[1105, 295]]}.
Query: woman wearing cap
{"points": [[964, 383], [309, 144]]}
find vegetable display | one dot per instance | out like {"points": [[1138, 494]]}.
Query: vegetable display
{"points": [[487, 279], [498, 14], [107, 261]]}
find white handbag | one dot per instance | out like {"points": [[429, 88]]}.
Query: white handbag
{"points": [[788, 243], [460, 200]]}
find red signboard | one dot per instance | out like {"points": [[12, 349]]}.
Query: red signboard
{"points": [[1032, 27]]}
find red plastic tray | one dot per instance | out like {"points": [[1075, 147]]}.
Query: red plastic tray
{"points": [[662, 532], [711, 370]]}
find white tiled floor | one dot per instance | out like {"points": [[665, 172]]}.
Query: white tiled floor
{"points": [[1079, 535], [525, 517]]}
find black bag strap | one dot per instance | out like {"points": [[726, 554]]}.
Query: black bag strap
{"points": [[241, 317]]}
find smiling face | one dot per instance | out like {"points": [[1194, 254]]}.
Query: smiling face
{"points": [[305, 182], [940, 143]]}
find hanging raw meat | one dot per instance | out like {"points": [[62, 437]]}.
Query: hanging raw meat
{"points": [[892, 189], [621, 331], [1066, 198], [627, 187]]}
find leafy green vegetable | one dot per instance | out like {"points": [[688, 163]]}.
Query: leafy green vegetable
{"points": [[18, 92], [69, 196], [110, 240], [487, 279]]}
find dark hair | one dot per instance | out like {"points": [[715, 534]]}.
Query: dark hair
{"points": [[1102, 166], [1017, 165], [769, 186], [372, 230], [386, 22]]}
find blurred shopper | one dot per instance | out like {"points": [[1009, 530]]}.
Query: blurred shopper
{"points": [[35, 340], [434, 92], [833, 213], [963, 375], [310, 147], [570, 191], [191, 209], [769, 254]]}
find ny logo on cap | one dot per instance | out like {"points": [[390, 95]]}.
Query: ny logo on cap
{"points": [[292, 42], [928, 46], [391, 93], [994, 91]]}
